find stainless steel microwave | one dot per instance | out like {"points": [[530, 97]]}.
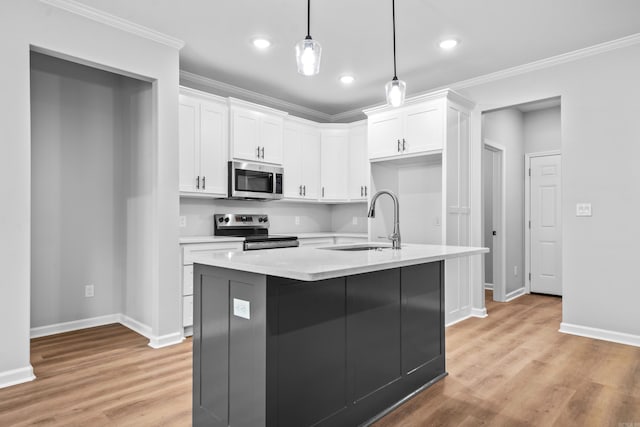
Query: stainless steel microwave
{"points": [[254, 181]]}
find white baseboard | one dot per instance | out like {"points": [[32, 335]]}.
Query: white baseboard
{"points": [[600, 334], [166, 340], [124, 320], [488, 286], [479, 312], [16, 376], [58, 328], [514, 294]]}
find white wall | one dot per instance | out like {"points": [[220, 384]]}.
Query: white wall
{"points": [[313, 217], [32, 24], [599, 101], [506, 127], [542, 131]]}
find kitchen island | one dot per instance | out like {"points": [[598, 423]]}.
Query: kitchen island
{"points": [[316, 336]]}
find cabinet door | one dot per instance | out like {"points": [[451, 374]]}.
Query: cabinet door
{"points": [[270, 139], [245, 134], [310, 161], [384, 133], [424, 129], [358, 164], [291, 162], [189, 143], [334, 164], [213, 148]]}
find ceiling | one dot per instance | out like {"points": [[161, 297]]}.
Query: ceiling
{"points": [[356, 37]]}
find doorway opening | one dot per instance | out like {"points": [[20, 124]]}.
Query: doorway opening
{"points": [[527, 135]]}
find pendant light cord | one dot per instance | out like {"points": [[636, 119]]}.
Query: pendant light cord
{"points": [[393, 14], [308, 19]]}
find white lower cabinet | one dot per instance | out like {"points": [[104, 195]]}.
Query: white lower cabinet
{"points": [[189, 251]]}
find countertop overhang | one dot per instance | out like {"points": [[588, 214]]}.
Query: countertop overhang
{"points": [[311, 264]]}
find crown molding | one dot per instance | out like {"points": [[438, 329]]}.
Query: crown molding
{"points": [[253, 96], [114, 21], [551, 61]]}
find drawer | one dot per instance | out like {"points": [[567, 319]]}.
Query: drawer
{"points": [[187, 280], [187, 311], [193, 250]]}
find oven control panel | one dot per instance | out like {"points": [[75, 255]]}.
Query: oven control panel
{"points": [[241, 220]]}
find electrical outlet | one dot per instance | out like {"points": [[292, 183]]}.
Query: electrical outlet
{"points": [[583, 209], [182, 221], [242, 308], [436, 222], [354, 221], [88, 291], [297, 220]]}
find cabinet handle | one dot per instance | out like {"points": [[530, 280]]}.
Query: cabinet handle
{"points": [[304, 190], [361, 191], [198, 183], [365, 191], [322, 191], [258, 155], [404, 143], [204, 182], [398, 146], [263, 152], [300, 191]]}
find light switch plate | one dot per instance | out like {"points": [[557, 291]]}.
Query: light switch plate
{"points": [[182, 221], [242, 308], [583, 209]]}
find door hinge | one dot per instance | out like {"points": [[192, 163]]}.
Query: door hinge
{"points": [[529, 224], [529, 171], [529, 276]]}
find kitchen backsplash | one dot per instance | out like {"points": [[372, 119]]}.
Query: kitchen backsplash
{"points": [[285, 217]]}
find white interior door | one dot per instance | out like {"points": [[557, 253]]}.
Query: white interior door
{"points": [[493, 202], [546, 226]]}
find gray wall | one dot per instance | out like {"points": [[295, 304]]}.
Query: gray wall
{"points": [[282, 215], [542, 130], [506, 127], [87, 222], [599, 95]]}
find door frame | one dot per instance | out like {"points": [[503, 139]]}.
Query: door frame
{"points": [[500, 254], [527, 211]]}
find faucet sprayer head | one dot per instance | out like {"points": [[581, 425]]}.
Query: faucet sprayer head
{"points": [[372, 211]]}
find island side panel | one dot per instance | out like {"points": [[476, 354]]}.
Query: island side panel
{"points": [[307, 351], [229, 349]]}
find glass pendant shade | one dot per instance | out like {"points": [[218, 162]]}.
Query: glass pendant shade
{"points": [[395, 92], [308, 53]]}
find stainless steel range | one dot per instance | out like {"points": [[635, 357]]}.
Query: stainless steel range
{"points": [[254, 229]]}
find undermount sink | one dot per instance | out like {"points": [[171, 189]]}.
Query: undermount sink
{"points": [[357, 248]]}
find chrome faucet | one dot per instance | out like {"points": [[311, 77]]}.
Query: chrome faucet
{"points": [[395, 235]]}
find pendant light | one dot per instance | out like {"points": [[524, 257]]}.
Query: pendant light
{"points": [[395, 89], [308, 51]]}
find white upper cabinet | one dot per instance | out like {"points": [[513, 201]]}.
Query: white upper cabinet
{"points": [[203, 141], [358, 163], [301, 160], [334, 165], [410, 130], [257, 132]]}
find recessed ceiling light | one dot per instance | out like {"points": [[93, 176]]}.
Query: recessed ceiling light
{"points": [[347, 80], [261, 43], [448, 44]]}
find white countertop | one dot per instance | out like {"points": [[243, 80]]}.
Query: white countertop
{"points": [[219, 239], [311, 264]]}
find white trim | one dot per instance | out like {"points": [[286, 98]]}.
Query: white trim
{"points": [[514, 294], [16, 376], [551, 61], [527, 211], [231, 90], [116, 22], [166, 340], [500, 286], [479, 312], [600, 334], [136, 326], [488, 286], [58, 328]]}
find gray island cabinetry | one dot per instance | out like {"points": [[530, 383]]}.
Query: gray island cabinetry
{"points": [[332, 339]]}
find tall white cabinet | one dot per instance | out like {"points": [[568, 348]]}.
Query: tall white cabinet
{"points": [[203, 141], [425, 142], [301, 159]]}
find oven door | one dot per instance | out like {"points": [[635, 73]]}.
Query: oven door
{"points": [[254, 181]]}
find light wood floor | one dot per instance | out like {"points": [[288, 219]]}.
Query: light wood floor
{"points": [[510, 369]]}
